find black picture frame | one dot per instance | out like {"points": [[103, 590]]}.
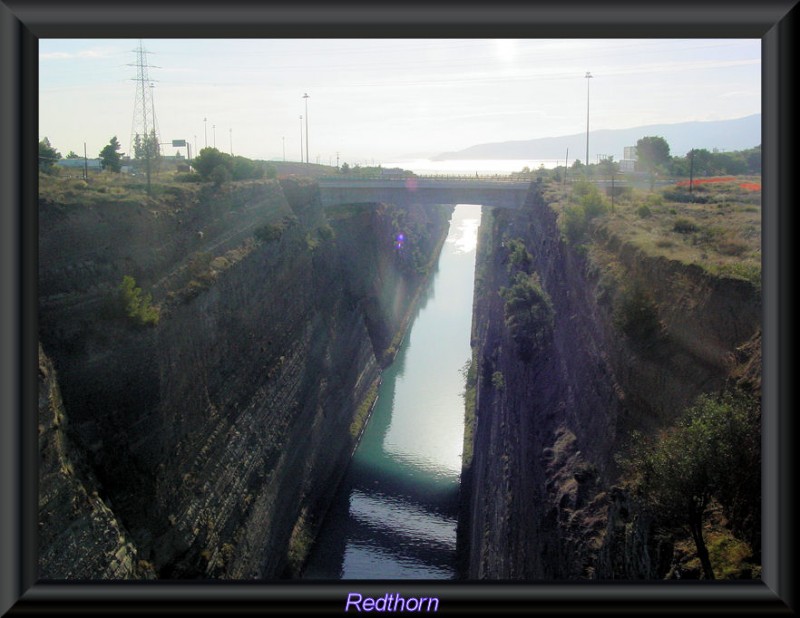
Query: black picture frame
{"points": [[22, 23]]}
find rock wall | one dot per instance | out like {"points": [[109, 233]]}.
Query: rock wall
{"points": [[540, 497], [79, 535], [220, 434]]}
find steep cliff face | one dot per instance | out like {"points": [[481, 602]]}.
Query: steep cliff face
{"points": [[220, 434], [541, 495], [79, 535]]}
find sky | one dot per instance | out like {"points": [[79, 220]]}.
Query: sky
{"points": [[378, 100]]}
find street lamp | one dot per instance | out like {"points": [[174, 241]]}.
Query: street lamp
{"points": [[301, 139], [588, 77], [214, 134], [305, 96]]}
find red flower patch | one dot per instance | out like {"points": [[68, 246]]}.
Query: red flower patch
{"points": [[751, 186], [706, 181]]}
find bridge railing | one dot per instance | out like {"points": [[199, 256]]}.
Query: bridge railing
{"points": [[464, 177]]}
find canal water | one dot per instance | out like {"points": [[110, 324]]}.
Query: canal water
{"points": [[394, 516]]}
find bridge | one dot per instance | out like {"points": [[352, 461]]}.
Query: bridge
{"points": [[497, 192]]}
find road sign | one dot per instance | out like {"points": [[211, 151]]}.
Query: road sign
{"points": [[179, 143]]}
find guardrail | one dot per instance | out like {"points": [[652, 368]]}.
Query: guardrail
{"points": [[494, 178]]}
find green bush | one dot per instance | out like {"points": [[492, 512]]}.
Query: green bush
{"points": [[529, 314], [269, 232], [137, 307], [636, 314], [644, 212], [574, 224], [498, 381], [518, 256], [684, 226]]}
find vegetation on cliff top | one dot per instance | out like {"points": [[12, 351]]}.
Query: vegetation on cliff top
{"points": [[716, 227]]}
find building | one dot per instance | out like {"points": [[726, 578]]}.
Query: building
{"points": [[628, 163]]}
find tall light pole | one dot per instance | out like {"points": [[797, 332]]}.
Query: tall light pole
{"points": [[214, 134], [588, 77], [205, 131], [301, 139], [230, 132], [305, 96]]}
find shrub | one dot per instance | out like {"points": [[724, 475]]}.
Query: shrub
{"points": [[684, 226], [220, 175], [636, 314], [529, 313], [518, 256], [269, 232], [574, 223], [136, 306], [644, 212], [498, 381]]}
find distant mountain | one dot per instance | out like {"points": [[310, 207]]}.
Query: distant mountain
{"points": [[737, 134]]}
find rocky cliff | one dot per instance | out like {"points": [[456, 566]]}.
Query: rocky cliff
{"points": [[220, 433], [541, 495]]}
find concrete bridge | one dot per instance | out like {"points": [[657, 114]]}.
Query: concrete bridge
{"points": [[501, 193]]}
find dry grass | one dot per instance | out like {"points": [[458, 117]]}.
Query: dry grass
{"points": [[721, 235]]}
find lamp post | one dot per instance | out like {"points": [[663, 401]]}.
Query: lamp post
{"points": [[214, 134], [301, 139], [588, 77], [305, 96]]}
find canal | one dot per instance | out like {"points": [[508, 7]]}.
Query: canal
{"points": [[394, 515]]}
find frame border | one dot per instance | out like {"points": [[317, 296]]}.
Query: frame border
{"points": [[23, 23]]}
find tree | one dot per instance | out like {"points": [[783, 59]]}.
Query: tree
{"points": [[208, 159], [47, 156], [713, 452], [73, 155], [110, 159], [652, 153]]}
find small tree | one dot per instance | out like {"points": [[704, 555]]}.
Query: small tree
{"points": [[137, 306], [110, 158], [713, 452], [47, 156], [652, 153], [73, 155]]}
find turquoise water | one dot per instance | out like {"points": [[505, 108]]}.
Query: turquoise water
{"points": [[394, 516]]}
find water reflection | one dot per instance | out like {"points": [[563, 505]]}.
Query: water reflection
{"points": [[394, 516]]}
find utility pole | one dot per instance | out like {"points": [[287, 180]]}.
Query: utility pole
{"points": [[305, 96], [214, 134], [588, 77], [691, 170], [301, 139], [337, 160]]}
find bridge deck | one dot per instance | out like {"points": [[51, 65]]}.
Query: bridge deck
{"points": [[504, 193]]}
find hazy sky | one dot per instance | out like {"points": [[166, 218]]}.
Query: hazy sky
{"points": [[378, 100]]}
